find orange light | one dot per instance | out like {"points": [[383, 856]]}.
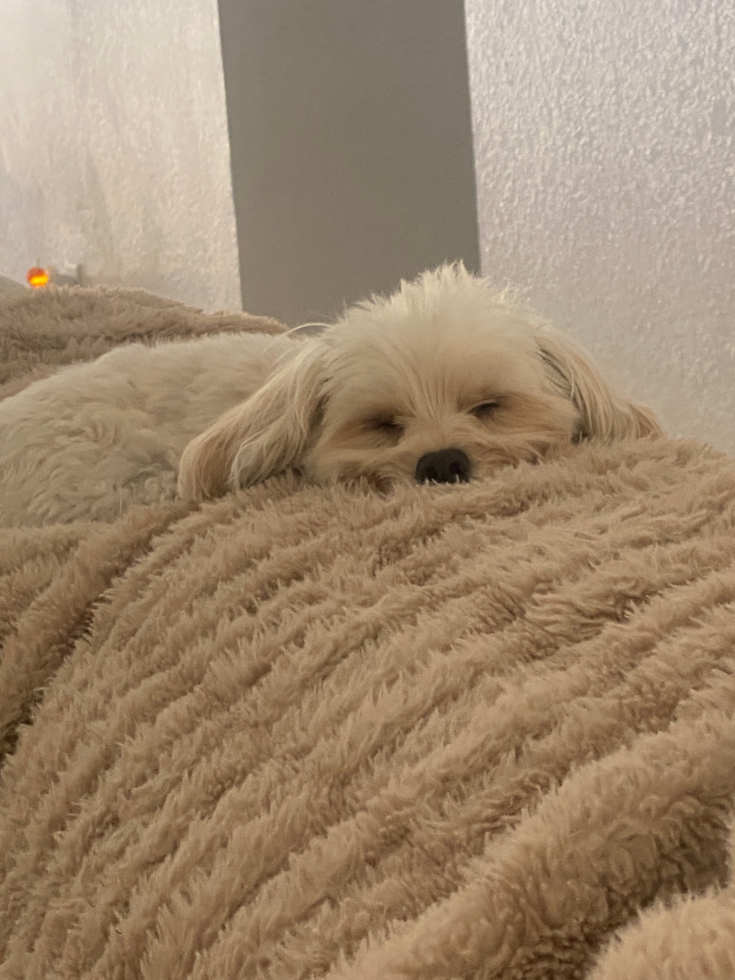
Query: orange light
{"points": [[37, 277]]}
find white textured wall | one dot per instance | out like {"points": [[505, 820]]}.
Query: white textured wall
{"points": [[113, 145], [605, 153]]}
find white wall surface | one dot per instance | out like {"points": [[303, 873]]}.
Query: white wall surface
{"points": [[605, 155], [113, 145]]}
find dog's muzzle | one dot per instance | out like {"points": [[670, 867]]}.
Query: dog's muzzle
{"points": [[444, 466]]}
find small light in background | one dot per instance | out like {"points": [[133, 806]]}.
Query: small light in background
{"points": [[38, 277], [51, 276]]}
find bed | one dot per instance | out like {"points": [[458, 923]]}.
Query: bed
{"points": [[479, 731]]}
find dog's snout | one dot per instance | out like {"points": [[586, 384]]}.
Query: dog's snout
{"points": [[444, 466]]}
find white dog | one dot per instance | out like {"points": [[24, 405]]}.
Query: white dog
{"points": [[443, 381]]}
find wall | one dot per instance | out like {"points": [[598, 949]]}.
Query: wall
{"points": [[604, 135], [351, 146], [113, 145]]}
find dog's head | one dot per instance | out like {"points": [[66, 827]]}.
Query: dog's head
{"points": [[445, 380]]}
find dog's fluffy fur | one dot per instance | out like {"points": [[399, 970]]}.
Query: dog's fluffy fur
{"points": [[445, 370], [95, 438]]}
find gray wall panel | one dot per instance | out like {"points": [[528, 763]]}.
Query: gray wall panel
{"points": [[351, 147]]}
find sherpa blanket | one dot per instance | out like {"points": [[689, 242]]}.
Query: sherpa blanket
{"points": [[46, 329], [483, 731]]}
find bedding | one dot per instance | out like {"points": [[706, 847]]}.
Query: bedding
{"points": [[42, 330], [478, 731]]}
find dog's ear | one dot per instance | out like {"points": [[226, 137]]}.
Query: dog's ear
{"points": [[604, 414], [264, 435]]}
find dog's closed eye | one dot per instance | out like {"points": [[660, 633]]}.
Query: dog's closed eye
{"points": [[485, 409], [385, 425]]}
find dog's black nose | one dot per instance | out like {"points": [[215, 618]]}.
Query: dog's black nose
{"points": [[445, 466]]}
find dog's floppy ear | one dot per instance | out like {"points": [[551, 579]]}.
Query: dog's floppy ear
{"points": [[262, 436], [604, 414]]}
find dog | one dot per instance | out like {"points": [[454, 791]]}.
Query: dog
{"points": [[444, 381]]}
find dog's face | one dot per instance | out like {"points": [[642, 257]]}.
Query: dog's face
{"points": [[445, 387], [444, 381]]}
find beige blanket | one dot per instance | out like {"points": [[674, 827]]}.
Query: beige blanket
{"points": [[484, 731], [43, 330]]}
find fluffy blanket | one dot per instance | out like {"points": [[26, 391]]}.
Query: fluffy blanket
{"points": [[43, 330], [484, 731]]}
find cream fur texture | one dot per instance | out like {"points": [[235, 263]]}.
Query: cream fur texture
{"points": [[446, 380], [95, 438]]}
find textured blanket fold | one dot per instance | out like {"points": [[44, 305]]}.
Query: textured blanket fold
{"points": [[449, 732], [43, 330], [479, 731]]}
